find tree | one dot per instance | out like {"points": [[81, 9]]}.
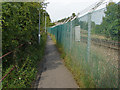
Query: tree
{"points": [[73, 14], [110, 24], [20, 25]]}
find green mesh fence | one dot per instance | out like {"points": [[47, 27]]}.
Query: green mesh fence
{"points": [[88, 44]]}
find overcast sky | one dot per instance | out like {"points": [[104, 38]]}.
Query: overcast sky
{"points": [[59, 9]]}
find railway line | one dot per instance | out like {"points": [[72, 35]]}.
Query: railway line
{"points": [[104, 43]]}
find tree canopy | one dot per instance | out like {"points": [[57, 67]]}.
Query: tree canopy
{"points": [[110, 27]]}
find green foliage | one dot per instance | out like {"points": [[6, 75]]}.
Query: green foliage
{"points": [[94, 65], [110, 21], [65, 19], [110, 26], [24, 73], [84, 25], [51, 24], [76, 22], [82, 79], [20, 26], [73, 14], [62, 20]]}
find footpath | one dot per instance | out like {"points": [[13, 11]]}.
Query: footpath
{"points": [[54, 73]]}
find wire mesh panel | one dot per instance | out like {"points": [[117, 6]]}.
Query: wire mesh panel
{"points": [[92, 42], [103, 50]]}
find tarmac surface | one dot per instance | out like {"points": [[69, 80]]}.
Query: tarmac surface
{"points": [[54, 74]]}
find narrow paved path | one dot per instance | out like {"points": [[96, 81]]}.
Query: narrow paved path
{"points": [[55, 74]]}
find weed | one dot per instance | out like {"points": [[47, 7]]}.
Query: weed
{"points": [[82, 79], [24, 74]]}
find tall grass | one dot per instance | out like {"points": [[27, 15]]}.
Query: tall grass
{"points": [[82, 79]]}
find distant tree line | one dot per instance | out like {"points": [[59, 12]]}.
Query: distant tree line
{"points": [[65, 19], [110, 27]]}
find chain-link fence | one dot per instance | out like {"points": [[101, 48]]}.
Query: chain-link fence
{"points": [[92, 41]]}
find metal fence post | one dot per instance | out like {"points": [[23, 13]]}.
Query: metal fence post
{"points": [[89, 36], [45, 22], [39, 29], [70, 35]]}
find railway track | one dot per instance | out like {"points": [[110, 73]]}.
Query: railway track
{"points": [[104, 43]]}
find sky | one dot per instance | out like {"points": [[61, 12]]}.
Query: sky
{"points": [[59, 9]]}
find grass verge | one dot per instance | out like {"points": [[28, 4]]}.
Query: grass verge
{"points": [[83, 80]]}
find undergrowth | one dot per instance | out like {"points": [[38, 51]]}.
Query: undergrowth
{"points": [[25, 71], [83, 80]]}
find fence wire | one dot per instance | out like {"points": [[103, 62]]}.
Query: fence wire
{"points": [[88, 44]]}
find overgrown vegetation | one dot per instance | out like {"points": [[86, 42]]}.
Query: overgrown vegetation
{"points": [[92, 65], [109, 27], [20, 26], [25, 71], [83, 80], [66, 19]]}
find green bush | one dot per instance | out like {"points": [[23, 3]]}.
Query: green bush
{"points": [[20, 26], [23, 75]]}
